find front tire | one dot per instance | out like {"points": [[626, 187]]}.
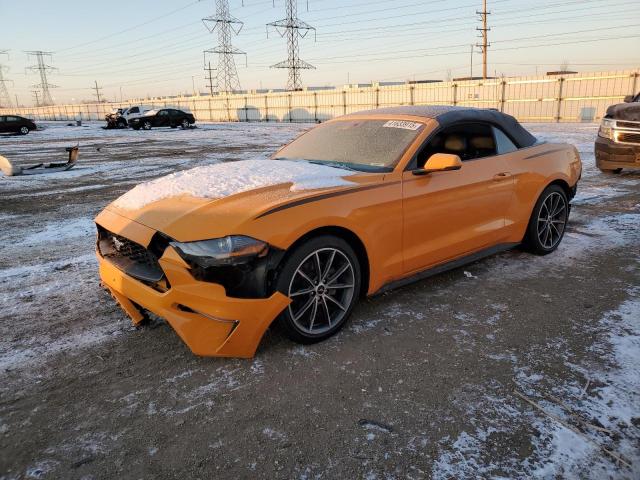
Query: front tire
{"points": [[185, 124], [24, 130], [322, 278], [548, 221]]}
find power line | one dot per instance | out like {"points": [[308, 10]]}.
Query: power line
{"points": [[293, 28], [42, 68], [226, 24]]}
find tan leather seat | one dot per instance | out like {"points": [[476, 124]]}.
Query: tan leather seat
{"points": [[455, 143]]}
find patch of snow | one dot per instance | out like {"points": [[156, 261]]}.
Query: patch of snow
{"points": [[34, 353], [272, 434], [615, 405], [57, 231], [226, 179]]}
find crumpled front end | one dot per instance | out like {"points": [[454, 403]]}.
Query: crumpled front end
{"points": [[141, 270]]}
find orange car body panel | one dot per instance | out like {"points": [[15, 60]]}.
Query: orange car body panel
{"points": [[406, 223]]}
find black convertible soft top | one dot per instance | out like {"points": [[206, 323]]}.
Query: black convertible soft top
{"points": [[447, 115]]}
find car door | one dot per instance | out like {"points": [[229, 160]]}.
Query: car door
{"points": [[12, 124], [162, 118], [176, 117], [451, 214]]}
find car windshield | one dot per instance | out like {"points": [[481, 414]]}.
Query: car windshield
{"points": [[366, 145]]}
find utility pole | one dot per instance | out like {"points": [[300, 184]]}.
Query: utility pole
{"points": [[209, 77], [484, 46], [293, 28], [5, 98], [36, 94], [471, 58], [97, 89], [42, 68], [227, 75]]}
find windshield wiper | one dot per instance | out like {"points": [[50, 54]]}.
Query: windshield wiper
{"points": [[329, 163]]}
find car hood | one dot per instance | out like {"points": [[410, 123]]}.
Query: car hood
{"points": [[625, 111], [181, 207]]}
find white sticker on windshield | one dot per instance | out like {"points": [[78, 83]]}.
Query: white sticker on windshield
{"points": [[402, 124]]}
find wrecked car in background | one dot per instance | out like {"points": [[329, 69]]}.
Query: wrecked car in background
{"points": [[354, 207], [618, 143], [120, 117]]}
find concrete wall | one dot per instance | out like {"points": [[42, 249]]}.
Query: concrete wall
{"points": [[581, 97]]}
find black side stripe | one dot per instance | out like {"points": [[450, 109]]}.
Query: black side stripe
{"points": [[544, 153], [323, 197]]}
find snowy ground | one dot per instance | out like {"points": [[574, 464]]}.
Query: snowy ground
{"points": [[513, 367]]}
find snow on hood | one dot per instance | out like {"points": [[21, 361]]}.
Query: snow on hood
{"points": [[225, 179]]}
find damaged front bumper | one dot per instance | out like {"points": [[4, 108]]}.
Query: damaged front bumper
{"points": [[205, 318]]}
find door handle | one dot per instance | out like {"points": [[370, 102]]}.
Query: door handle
{"points": [[501, 176]]}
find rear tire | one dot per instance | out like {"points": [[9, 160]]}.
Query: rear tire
{"points": [[146, 125], [548, 221], [322, 277]]}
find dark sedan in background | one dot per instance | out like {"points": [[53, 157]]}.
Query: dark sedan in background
{"points": [[16, 124], [164, 117]]}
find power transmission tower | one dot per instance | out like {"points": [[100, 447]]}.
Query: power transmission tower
{"points": [[41, 67], [484, 46], [226, 24], [36, 94], [97, 89], [5, 98], [293, 28]]}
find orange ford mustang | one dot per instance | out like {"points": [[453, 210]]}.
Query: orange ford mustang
{"points": [[355, 206]]}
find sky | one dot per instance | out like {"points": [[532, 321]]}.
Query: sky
{"points": [[137, 48]]}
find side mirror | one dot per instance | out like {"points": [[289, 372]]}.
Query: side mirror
{"points": [[440, 162], [628, 99]]}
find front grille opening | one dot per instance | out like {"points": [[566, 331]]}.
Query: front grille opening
{"points": [[628, 137], [134, 259]]}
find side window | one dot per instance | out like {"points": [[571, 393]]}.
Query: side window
{"points": [[11, 119], [134, 110], [503, 143], [163, 113], [468, 141]]}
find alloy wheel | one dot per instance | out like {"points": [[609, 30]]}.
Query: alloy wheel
{"points": [[185, 123], [321, 291], [552, 219], [24, 130]]}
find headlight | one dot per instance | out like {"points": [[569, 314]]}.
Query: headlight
{"points": [[232, 250], [606, 128]]}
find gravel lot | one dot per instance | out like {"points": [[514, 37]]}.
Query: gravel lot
{"points": [[429, 381]]}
